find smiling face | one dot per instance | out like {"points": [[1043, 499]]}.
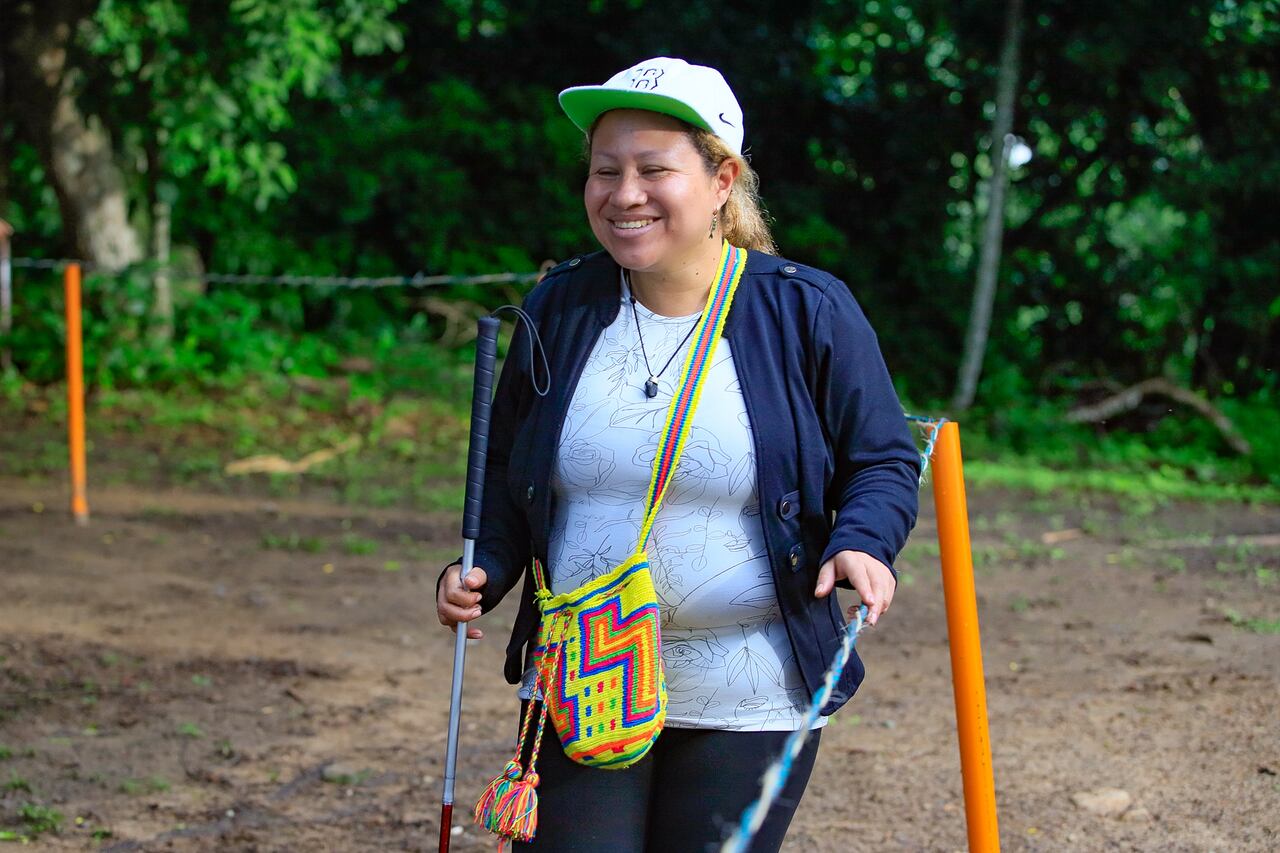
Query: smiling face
{"points": [[649, 197]]}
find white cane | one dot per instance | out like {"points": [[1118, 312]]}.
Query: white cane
{"points": [[481, 403]]}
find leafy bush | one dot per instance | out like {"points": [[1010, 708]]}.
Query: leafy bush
{"points": [[228, 333]]}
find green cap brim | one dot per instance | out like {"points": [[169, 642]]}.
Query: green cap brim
{"points": [[584, 104]]}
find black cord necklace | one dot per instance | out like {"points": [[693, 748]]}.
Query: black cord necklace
{"points": [[651, 384]]}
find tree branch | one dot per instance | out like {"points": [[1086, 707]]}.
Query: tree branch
{"points": [[1131, 397]]}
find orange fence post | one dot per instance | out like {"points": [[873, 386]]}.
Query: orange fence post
{"points": [[75, 394], [966, 649]]}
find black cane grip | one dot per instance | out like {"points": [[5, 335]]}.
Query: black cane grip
{"points": [[481, 404]]}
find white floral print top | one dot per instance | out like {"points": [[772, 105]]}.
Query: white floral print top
{"points": [[727, 656]]}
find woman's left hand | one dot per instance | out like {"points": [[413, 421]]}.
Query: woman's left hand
{"points": [[871, 578]]}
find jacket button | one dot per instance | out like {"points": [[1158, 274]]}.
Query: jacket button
{"points": [[786, 508], [528, 493], [575, 262], [795, 559], [789, 269]]}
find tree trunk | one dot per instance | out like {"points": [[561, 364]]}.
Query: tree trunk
{"points": [[162, 302], [984, 292], [76, 149], [6, 297], [6, 155]]}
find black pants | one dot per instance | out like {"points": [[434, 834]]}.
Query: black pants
{"points": [[685, 796]]}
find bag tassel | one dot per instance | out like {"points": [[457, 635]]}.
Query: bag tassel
{"points": [[508, 806], [485, 814], [517, 809]]}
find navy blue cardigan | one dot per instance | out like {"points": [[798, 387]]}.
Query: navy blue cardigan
{"points": [[830, 441]]}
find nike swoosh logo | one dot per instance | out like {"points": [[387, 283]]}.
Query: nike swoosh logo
{"points": [[725, 120]]}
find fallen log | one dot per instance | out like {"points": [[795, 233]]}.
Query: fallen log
{"points": [[271, 463], [1130, 398]]}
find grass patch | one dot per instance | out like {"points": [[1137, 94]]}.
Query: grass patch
{"points": [[17, 783], [1245, 559], [1254, 626], [190, 730], [358, 546], [39, 819], [348, 779], [292, 542], [1030, 550], [1002, 520], [1149, 489], [412, 450], [149, 785]]}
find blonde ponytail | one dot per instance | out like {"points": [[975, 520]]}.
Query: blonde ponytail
{"points": [[743, 218]]}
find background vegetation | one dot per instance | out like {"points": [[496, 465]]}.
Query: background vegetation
{"points": [[377, 137]]}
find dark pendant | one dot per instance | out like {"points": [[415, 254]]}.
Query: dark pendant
{"points": [[651, 387]]}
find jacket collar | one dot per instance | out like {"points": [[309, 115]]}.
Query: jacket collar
{"points": [[600, 272]]}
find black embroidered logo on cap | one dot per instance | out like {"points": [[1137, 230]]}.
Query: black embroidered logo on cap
{"points": [[646, 78]]}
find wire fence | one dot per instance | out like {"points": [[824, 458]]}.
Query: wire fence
{"points": [[416, 280]]}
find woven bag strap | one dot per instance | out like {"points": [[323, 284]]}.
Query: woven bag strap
{"points": [[685, 402], [543, 590]]}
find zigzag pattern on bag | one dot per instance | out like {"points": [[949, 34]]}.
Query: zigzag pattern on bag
{"points": [[624, 646], [617, 642]]}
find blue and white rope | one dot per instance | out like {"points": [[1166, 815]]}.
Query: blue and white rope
{"points": [[776, 776], [931, 438]]}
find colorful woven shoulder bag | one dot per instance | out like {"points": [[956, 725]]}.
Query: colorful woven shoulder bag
{"points": [[598, 654]]}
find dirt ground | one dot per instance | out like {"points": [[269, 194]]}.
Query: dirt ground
{"points": [[195, 672]]}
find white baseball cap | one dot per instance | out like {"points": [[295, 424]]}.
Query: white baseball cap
{"points": [[693, 93]]}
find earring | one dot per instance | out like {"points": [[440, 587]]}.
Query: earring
{"points": [[715, 220]]}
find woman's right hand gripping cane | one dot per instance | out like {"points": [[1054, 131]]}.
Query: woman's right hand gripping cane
{"points": [[458, 599]]}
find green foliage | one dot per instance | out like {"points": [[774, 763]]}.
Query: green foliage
{"points": [[379, 137], [1180, 454], [221, 337], [202, 89], [39, 819]]}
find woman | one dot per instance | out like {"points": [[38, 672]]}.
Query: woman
{"points": [[799, 471]]}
